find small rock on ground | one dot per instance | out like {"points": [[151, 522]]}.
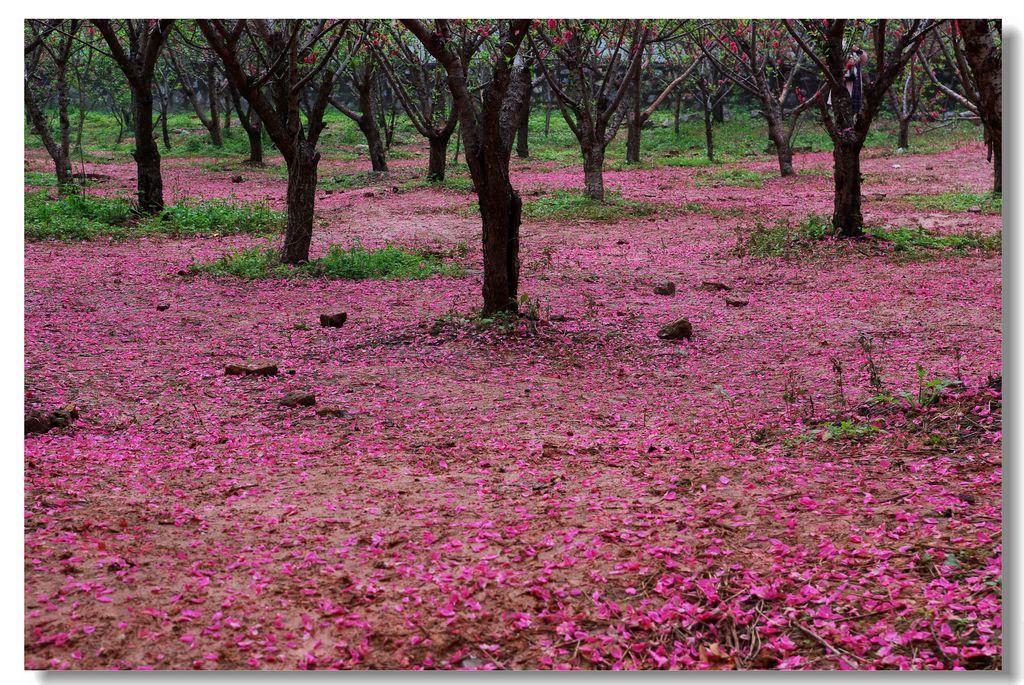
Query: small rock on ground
{"points": [[678, 329], [299, 398], [40, 421], [251, 368], [333, 320], [331, 410], [713, 286]]}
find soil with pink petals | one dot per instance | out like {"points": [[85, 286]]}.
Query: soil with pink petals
{"points": [[568, 493]]}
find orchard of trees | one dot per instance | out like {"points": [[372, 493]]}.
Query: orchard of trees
{"points": [[510, 344], [479, 79]]}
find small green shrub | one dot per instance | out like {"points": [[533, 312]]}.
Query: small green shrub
{"points": [[355, 263], [565, 205]]}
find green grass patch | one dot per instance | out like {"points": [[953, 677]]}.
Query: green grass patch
{"points": [[361, 179], [566, 205], [84, 217], [41, 179], [740, 138], [783, 239], [74, 217], [846, 429], [453, 182], [987, 203], [738, 176], [354, 263], [918, 244]]}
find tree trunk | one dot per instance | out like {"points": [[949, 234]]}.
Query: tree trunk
{"points": [[709, 133], [783, 148], [164, 131], [547, 110], [227, 113], [846, 217], [523, 132], [62, 113], [501, 213], [985, 58], [718, 110], [633, 125], [904, 139], [679, 104], [146, 154], [378, 157], [255, 133], [593, 172], [251, 124], [211, 89], [61, 164], [632, 141], [997, 166], [301, 197], [438, 157]]}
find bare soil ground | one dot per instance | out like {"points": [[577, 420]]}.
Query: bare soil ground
{"points": [[568, 493]]}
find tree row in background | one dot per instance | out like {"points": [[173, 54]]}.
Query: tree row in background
{"points": [[476, 81]]}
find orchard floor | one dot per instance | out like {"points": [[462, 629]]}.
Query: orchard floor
{"points": [[572, 493]]}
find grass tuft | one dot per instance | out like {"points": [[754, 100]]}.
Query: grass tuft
{"points": [[919, 244], [783, 239], [571, 205], [743, 178], [988, 203], [355, 263], [84, 217]]}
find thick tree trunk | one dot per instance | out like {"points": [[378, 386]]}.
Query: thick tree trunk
{"points": [[146, 154], [593, 173], [846, 217], [783, 148], [438, 157], [985, 58], [523, 131], [378, 156], [302, 167], [501, 213], [904, 139], [255, 133]]}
